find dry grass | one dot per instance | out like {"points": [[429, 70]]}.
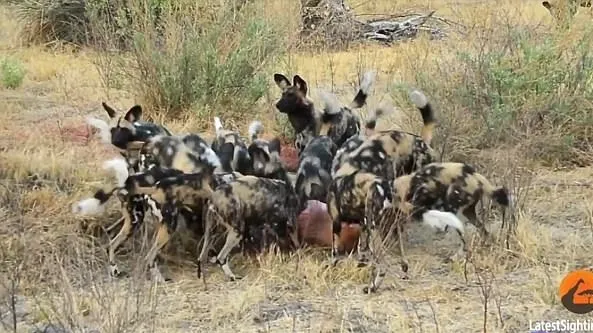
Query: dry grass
{"points": [[49, 160]]}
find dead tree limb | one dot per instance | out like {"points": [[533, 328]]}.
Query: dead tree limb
{"points": [[333, 23]]}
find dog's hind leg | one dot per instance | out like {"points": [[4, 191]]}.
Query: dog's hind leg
{"points": [[123, 234], [115, 224], [233, 239], [209, 215], [161, 239], [472, 217], [400, 239]]}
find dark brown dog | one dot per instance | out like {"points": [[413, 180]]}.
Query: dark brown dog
{"points": [[306, 121]]}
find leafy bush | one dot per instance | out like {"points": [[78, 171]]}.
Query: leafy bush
{"points": [[201, 63], [527, 90], [12, 73]]}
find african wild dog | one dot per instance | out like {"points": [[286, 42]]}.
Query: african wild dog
{"points": [[305, 120], [132, 209], [128, 134], [563, 11], [225, 139], [173, 156], [122, 131], [357, 140], [448, 187], [393, 153], [265, 156], [270, 205], [358, 197], [313, 174]]}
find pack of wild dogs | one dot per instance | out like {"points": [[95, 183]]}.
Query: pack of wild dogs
{"points": [[236, 193]]}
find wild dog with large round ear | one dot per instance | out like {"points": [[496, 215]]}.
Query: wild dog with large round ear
{"points": [[306, 121], [122, 130]]}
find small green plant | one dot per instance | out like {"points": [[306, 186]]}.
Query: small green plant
{"points": [[12, 73]]}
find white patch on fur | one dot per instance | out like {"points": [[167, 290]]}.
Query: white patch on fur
{"points": [[90, 206], [440, 220], [367, 81], [418, 98], [119, 167], [330, 102], [217, 125], [380, 190], [259, 165], [153, 209], [255, 128], [102, 126], [211, 157]]}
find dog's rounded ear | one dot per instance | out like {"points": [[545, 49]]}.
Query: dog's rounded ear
{"points": [[275, 146], [134, 114], [282, 81], [110, 111], [298, 82], [547, 5]]}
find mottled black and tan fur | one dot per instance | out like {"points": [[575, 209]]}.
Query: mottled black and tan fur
{"points": [[342, 154], [188, 153], [359, 197], [265, 156], [394, 153], [306, 121], [251, 202], [231, 149], [447, 187], [131, 197]]}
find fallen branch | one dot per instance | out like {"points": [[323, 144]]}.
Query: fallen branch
{"points": [[332, 22]]}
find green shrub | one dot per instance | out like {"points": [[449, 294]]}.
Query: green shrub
{"points": [[213, 64], [529, 90], [12, 73]]}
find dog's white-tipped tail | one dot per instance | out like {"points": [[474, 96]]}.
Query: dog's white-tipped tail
{"points": [[331, 104], [440, 220], [90, 206], [217, 125], [367, 81], [255, 129], [120, 168], [103, 128], [418, 98]]}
